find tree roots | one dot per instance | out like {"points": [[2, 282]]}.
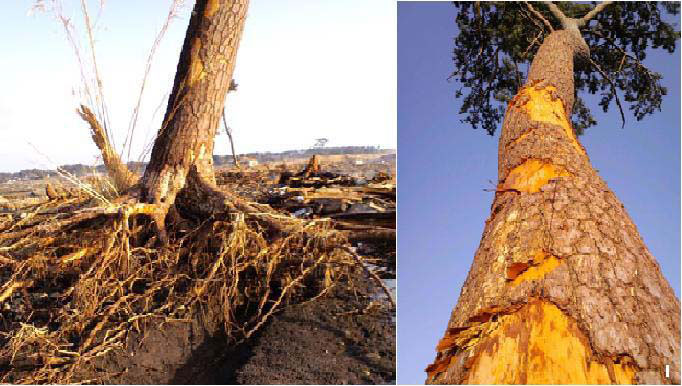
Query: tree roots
{"points": [[74, 288]]}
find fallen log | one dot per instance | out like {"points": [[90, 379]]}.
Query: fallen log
{"points": [[383, 219]]}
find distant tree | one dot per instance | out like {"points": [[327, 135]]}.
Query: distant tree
{"points": [[320, 143], [562, 288], [228, 130]]}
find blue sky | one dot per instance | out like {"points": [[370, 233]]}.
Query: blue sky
{"points": [[443, 165], [306, 69]]}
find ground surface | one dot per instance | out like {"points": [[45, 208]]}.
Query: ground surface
{"points": [[346, 336], [329, 341]]}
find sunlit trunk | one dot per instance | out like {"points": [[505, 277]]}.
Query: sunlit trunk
{"points": [[182, 156], [562, 288]]}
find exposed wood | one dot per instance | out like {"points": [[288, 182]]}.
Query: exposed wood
{"points": [[385, 219], [51, 192], [312, 168]]}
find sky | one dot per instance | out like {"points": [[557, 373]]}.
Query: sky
{"points": [[444, 165], [306, 69]]}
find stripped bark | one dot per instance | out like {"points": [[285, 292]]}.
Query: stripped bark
{"points": [[562, 288]]}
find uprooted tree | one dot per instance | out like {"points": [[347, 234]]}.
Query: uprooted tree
{"points": [[562, 288]]}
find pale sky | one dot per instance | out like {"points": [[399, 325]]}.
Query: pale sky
{"points": [[306, 69]]}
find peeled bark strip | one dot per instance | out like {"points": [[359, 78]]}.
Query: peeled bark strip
{"points": [[183, 150], [562, 288]]}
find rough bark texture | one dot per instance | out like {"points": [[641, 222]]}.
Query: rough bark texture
{"points": [[562, 288], [183, 150]]}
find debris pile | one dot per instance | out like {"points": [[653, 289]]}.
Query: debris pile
{"points": [[359, 198]]}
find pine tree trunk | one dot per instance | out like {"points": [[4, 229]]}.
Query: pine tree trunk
{"points": [[562, 288], [182, 157]]}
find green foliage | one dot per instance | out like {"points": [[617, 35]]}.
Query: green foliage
{"points": [[498, 41]]}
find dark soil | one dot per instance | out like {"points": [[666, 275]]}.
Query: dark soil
{"points": [[328, 341], [341, 338]]}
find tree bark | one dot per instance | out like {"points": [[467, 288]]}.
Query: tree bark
{"points": [[562, 288], [182, 156]]}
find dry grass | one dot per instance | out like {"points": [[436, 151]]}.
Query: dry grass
{"points": [[111, 280], [175, 6], [92, 86]]}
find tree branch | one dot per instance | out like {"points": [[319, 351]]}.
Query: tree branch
{"points": [[590, 15], [622, 51], [532, 19], [558, 14], [613, 89], [539, 16], [228, 130], [523, 56]]}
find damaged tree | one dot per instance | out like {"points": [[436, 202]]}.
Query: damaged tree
{"points": [[228, 130], [562, 288], [182, 157], [88, 296], [181, 162]]}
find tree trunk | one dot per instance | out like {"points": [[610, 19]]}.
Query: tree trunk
{"points": [[182, 157], [562, 288]]}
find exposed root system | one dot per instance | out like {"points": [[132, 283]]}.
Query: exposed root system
{"points": [[77, 286]]}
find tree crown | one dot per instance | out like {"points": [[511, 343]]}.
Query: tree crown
{"points": [[496, 39]]}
